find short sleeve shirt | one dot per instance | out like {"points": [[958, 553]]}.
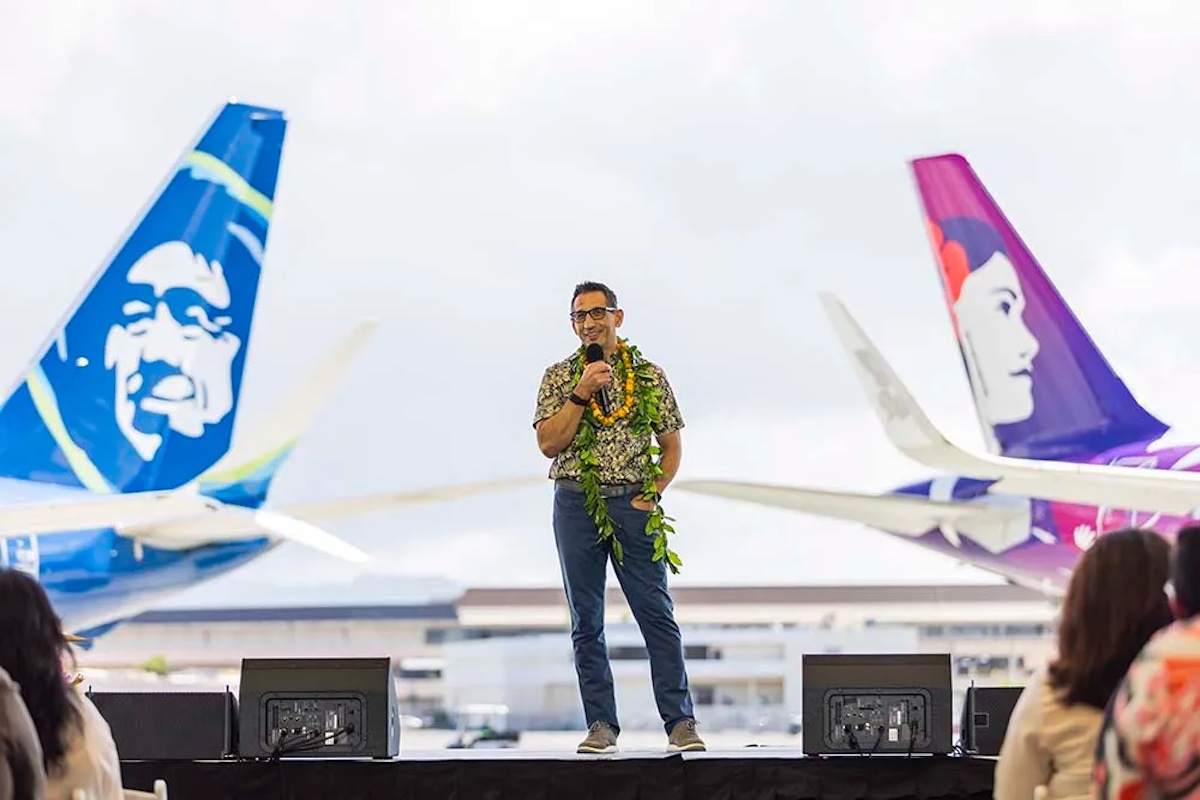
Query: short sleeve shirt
{"points": [[618, 448], [1149, 742]]}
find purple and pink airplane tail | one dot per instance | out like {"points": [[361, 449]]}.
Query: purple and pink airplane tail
{"points": [[1042, 388]]}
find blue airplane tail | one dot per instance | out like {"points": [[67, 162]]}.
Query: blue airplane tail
{"points": [[137, 388]]}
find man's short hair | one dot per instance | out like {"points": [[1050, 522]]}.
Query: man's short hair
{"points": [[610, 297], [1185, 568]]}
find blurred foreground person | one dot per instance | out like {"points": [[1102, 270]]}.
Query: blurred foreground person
{"points": [[22, 775], [1114, 604], [1149, 745], [77, 746]]}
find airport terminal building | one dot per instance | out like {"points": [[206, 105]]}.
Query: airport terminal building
{"points": [[511, 646]]}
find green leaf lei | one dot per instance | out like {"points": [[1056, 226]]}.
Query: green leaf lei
{"points": [[643, 412]]}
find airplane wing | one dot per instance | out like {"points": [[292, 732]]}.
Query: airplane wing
{"points": [[264, 449], [903, 514], [384, 501], [911, 431], [234, 523], [186, 517], [182, 519], [99, 511]]}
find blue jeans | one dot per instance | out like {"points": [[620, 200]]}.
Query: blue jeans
{"points": [[584, 562]]}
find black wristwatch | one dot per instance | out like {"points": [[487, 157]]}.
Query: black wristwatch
{"points": [[577, 400]]}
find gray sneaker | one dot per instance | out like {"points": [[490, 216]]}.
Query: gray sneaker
{"points": [[600, 739], [683, 737]]}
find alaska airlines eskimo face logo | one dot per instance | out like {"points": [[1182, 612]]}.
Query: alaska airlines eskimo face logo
{"points": [[172, 353], [987, 303]]}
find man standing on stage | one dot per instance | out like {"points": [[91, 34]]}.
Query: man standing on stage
{"points": [[607, 487]]}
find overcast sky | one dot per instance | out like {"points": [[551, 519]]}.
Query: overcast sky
{"points": [[454, 168]]}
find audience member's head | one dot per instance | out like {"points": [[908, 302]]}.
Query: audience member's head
{"points": [[32, 649], [1185, 573], [1115, 602]]}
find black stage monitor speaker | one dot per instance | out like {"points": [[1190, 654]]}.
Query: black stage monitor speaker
{"points": [[985, 714], [170, 726], [867, 704], [318, 708]]}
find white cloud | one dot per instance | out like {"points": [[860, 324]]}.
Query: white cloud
{"points": [[39, 48], [1137, 306], [928, 49], [1144, 284]]}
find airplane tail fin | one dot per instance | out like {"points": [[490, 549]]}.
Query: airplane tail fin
{"points": [[1042, 388], [138, 386]]}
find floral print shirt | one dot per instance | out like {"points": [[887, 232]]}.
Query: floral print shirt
{"points": [[619, 450], [1149, 745]]}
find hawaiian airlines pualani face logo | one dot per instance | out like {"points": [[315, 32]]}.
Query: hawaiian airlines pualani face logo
{"points": [[172, 352], [987, 304]]}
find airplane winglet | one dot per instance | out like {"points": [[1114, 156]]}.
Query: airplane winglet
{"points": [[906, 424], [279, 433], [911, 431]]}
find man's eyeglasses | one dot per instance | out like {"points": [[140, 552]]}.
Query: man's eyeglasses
{"points": [[594, 313]]}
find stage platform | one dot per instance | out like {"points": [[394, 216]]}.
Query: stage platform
{"points": [[758, 773]]}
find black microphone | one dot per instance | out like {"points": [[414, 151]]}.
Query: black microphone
{"points": [[595, 353]]}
